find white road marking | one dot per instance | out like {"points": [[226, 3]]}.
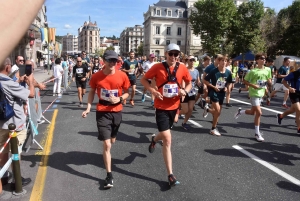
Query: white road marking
{"points": [[191, 121], [268, 165]]}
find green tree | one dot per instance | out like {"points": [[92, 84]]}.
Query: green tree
{"points": [[111, 48], [245, 27], [140, 50], [212, 20]]}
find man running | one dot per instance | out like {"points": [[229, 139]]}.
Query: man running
{"points": [[257, 80], [80, 73], [109, 84], [217, 80], [146, 67], [130, 67], [168, 75]]}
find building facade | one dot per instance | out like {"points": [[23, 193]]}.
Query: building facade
{"points": [[89, 37], [130, 39], [111, 43], [70, 44]]}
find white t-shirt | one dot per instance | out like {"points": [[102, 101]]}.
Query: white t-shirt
{"points": [[58, 71], [147, 65], [14, 68]]}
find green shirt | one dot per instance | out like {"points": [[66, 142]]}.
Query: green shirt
{"points": [[258, 77], [234, 70]]}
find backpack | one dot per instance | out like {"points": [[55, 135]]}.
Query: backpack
{"points": [[6, 110], [171, 77]]}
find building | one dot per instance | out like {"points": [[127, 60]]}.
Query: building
{"points": [[111, 43], [167, 22], [89, 37], [70, 44], [130, 39]]}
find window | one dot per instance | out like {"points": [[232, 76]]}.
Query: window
{"points": [[169, 13], [91, 38], [91, 32], [95, 38], [158, 12], [157, 30], [179, 31], [157, 41], [180, 14], [167, 42], [178, 42], [168, 30], [91, 44]]}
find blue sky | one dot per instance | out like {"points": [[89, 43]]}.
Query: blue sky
{"points": [[112, 16]]}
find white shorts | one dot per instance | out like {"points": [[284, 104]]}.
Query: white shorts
{"points": [[255, 101], [279, 87]]}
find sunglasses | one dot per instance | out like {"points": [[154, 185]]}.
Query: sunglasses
{"points": [[21, 60], [191, 60], [112, 60], [78, 61], [262, 58], [172, 53]]}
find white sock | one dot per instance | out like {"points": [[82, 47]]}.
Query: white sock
{"points": [[284, 102], [243, 111], [257, 129]]}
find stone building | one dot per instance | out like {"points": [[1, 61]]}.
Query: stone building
{"points": [[130, 39], [89, 37], [70, 44]]}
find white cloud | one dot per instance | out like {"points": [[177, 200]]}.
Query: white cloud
{"points": [[67, 26]]}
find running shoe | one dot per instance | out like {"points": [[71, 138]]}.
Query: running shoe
{"points": [[186, 127], [59, 95], [259, 137], [172, 180], [285, 106], [215, 132], [152, 103], [238, 114], [298, 132], [132, 102], [228, 105], [54, 94], [80, 105], [205, 112], [108, 183], [279, 119], [240, 89], [40, 121], [152, 144], [143, 98]]}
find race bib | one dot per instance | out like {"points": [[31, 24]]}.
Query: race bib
{"points": [[105, 94], [261, 83], [170, 90], [132, 69], [221, 83], [233, 79], [193, 90], [79, 70], [95, 70]]}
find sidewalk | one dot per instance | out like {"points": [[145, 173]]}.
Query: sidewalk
{"points": [[40, 75]]}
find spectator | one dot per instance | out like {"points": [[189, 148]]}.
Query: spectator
{"points": [[57, 73]]}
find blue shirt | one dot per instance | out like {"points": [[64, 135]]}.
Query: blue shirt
{"points": [[209, 68], [283, 70], [294, 80]]}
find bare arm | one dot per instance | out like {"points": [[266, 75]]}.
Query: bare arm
{"points": [[89, 103]]}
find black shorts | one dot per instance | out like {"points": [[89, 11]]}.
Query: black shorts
{"points": [[108, 124], [294, 97], [200, 89], [132, 82], [81, 84], [188, 98], [164, 119], [216, 97]]}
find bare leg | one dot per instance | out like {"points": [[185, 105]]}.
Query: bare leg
{"points": [[107, 155]]}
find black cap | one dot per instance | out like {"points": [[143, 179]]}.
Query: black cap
{"points": [[110, 54]]}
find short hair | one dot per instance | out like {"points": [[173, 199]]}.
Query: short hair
{"points": [[217, 56], [206, 58], [269, 60], [131, 52], [258, 56], [57, 61], [286, 58], [221, 57], [5, 62], [83, 52]]}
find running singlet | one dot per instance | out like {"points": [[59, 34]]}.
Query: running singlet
{"points": [[80, 71], [194, 74], [219, 79], [130, 65], [96, 68]]}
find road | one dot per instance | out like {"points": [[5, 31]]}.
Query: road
{"points": [[208, 167]]}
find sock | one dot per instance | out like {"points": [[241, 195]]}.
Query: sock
{"points": [[109, 174], [257, 129], [243, 111], [284, 102], [212, 128]]}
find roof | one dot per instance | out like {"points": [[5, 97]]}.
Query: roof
{"points": [[171, 4]]}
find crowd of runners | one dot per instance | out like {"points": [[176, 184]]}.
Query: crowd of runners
{"points": [[176, 84]]}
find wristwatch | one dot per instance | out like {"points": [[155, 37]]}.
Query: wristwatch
{"points": [[121, 99]]}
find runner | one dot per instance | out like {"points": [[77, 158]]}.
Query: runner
{"points": [[146, 67], [86, 61], [96, 66], [189, 100], [168, 75], [257, 80], [130, 67], [220, 78], [234, 72], [80, 73], [278, 86], [109, 84]]}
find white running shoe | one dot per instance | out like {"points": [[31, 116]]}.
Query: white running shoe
{"points": [[205, 112], [238, 114], [259, 137], [215, 132]]}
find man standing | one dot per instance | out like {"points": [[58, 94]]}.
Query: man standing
{"points": [[283, 71], [257, 80], [167, 95], [16, 95], [15, 74], [80, 73], [109, 84], [146, 67], [130, 67]]}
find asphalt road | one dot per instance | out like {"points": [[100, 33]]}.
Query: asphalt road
{"points": [[208, 167]]}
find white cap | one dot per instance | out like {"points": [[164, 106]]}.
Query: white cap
{"points": [[173, 46]]}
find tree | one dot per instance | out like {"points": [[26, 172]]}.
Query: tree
{"points": [[212, 22], [99, 52], [111, 48], [140, 50], [245, 28]]}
